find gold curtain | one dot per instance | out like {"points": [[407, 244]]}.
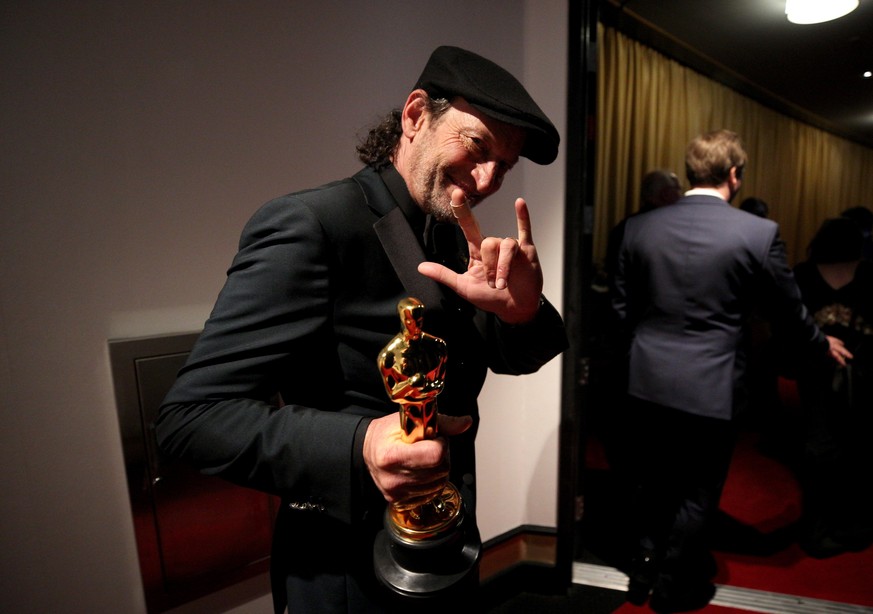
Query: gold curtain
{"points": [[648, 109]]}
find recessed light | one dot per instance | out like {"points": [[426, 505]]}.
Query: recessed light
{"points": [[867, 74], [817, 11]]}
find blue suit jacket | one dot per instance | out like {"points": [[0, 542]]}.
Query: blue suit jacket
{"points": [[689, 276]]}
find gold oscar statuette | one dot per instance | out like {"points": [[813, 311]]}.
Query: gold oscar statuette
{"points": [[425, 547], [413, 367]]}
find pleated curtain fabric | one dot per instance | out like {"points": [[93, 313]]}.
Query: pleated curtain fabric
{"points": [[649, 107]]}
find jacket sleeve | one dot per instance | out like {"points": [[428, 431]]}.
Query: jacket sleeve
{"points": [[269, 330], [521, 349], [782, 303]]}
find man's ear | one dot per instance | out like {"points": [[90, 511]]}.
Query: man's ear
{"points": [[735, 176], [738, 172], [414, 113]]}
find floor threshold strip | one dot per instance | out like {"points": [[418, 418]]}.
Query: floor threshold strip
{"points": [[602, 576]]}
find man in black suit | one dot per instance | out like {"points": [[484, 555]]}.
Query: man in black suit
{"points": [[688, 278], [282, 391]]}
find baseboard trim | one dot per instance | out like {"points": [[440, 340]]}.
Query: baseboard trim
{"points": [[527, 544], [520, 560]]}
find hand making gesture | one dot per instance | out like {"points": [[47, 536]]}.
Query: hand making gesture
{"points": [[503, 276]]}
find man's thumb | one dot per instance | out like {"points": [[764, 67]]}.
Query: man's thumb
{"points": [[453, 425]]}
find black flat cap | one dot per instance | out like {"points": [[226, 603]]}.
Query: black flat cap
{"points": [[452, 71]]}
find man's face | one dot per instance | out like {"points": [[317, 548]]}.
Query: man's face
{"points": [[462, 149]]}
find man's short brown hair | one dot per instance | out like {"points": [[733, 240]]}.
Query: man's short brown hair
{"points": [[710, 157]]}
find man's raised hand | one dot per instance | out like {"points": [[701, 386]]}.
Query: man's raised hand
{"points": [[503, 276]]}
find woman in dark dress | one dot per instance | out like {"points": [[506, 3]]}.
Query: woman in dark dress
{"points": [[837, 402]]}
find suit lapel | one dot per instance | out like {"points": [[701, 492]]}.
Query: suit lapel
{"points": [[399, 241], [405, 252]]}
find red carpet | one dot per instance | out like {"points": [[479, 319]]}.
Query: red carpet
{"points": [[756, 548], [763, 493]]}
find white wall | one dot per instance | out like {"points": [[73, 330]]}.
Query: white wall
{"points": [[518, 440], [137, 138]]}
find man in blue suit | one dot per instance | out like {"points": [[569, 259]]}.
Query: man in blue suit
{"points": [[689, 276], [282, 391]]}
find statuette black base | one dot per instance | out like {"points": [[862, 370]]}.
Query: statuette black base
{"points": [[430, 567]]}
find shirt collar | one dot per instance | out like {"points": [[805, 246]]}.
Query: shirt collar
{"points": [[704, 192]]}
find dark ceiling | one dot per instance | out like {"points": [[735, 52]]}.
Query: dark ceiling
{"points": [[813, 72]]}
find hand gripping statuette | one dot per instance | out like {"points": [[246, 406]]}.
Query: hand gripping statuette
{"points": [[426, 548]]}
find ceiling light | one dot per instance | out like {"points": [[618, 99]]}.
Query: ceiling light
{"points": [[867, 74], [817, 11]]}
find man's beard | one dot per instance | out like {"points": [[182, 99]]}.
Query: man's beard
{"points": [[732, 194], [436, 200]]}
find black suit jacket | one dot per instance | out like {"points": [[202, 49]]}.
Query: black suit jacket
{"points": [[280, 386]]}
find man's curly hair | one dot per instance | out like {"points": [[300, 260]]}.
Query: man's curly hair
{"points": [[378, 147]]}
